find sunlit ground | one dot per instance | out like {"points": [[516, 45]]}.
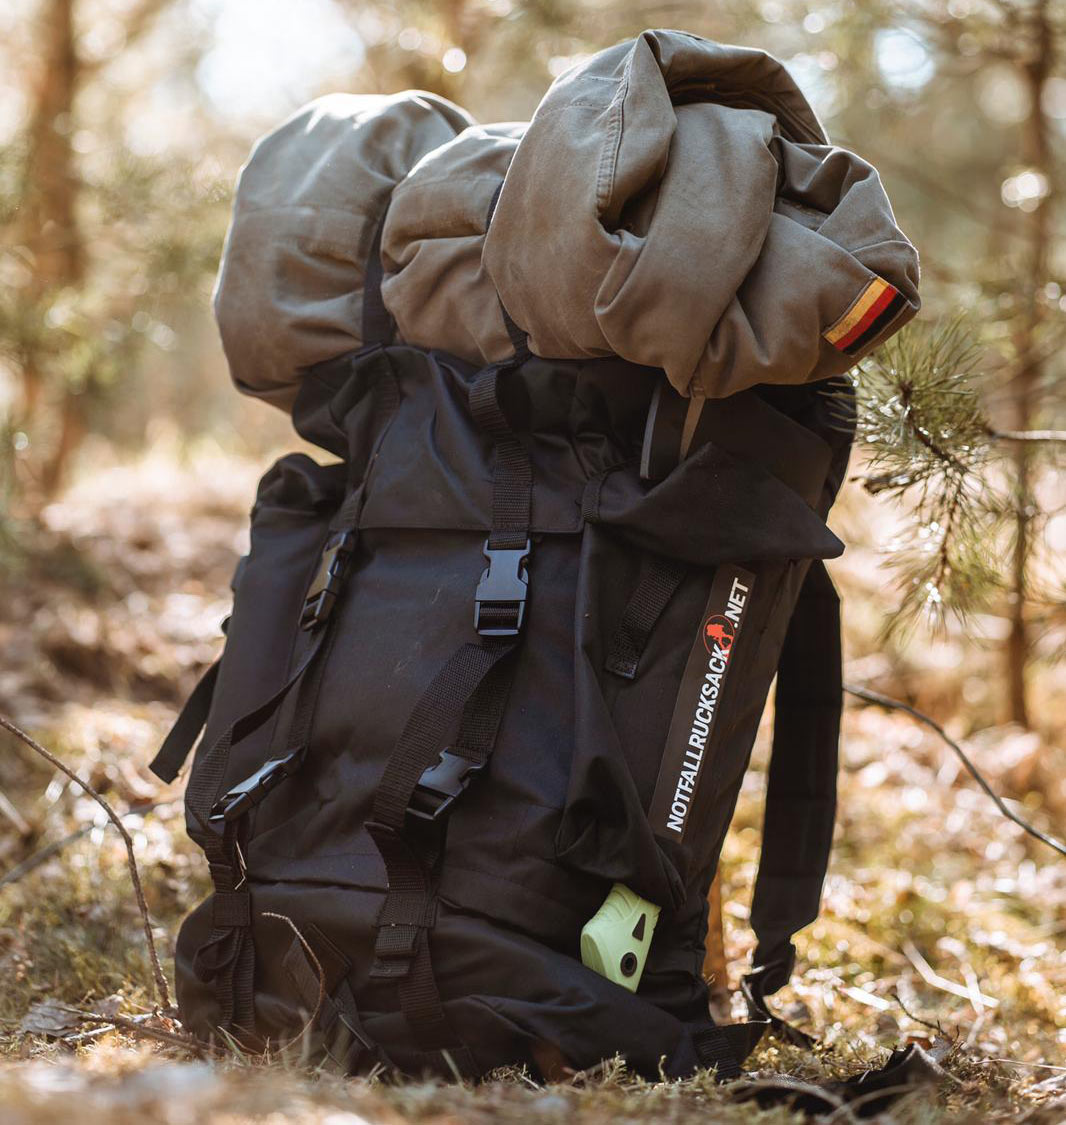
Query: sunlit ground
{"points": [[937, 911]]}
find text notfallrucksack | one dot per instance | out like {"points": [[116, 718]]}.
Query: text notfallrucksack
{"points": [[509, 653]]}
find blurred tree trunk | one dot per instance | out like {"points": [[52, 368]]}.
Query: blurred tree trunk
{"points": [[1037, 68], [48, 225], [48, 228]]}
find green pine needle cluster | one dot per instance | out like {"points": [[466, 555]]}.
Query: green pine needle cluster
{"points": [[929, 446]]}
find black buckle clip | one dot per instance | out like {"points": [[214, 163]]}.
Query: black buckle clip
{"points": [[246, 794], [500, 601], [326, 585], [440, 784]]}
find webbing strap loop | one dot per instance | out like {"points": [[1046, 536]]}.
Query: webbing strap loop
{"points": [[227, 958], [755, 986], [183, 734], [726, 1046], [512, 480], [658, 582]]}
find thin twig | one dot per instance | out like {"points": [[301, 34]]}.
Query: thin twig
{"points": [[31, 863], [1018, 1062], [103, 1029], [311, 956], [137, 1028], [1028, 435], [887, 701], [157, 969], [916, 1019]]}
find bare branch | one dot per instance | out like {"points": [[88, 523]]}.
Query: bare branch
{"points": [[32, 862], [137, 1027], [875, 697], [1028, 435], [161, 986]]}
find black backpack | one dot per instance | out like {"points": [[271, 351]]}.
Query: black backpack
{"points": [[508, 653]]}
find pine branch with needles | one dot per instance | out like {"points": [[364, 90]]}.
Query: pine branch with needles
{"points": [[930, 446]]}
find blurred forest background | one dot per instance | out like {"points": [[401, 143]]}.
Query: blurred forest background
{"points": [[127, 461]]}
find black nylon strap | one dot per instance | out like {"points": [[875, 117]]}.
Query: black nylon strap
{"points": [[183, 734], [422, 1008], [227, 958], [378, 325], [713, 1049], [467, 696], [518, 338], [230, 908], [190, 722], [801, 791], [483, 714], [297, 731], [726, 1046], [434, 717], [471, 690], [207, 776], [210, 769], [345, 1039], [512, 483], [657, 584]]}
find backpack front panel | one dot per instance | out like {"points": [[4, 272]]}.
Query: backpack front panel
{"points": [[561, 812]]}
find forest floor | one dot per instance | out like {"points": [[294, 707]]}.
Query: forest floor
{"points": [[943, 924]]}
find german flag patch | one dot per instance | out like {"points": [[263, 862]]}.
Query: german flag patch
{"points": [[870, 313]]}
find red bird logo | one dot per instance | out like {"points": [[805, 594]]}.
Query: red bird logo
{"points": [[718, 631]]}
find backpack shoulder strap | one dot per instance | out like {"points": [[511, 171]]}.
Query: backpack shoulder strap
{"points": [[801, 792]]}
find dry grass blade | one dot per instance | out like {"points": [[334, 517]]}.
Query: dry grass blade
{"points": [[162, 989], [935, 980]]}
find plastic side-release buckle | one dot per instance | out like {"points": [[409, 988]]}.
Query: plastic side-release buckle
{"points": [[326, 585], [246, 794], [500, 601], [440, 784]]}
